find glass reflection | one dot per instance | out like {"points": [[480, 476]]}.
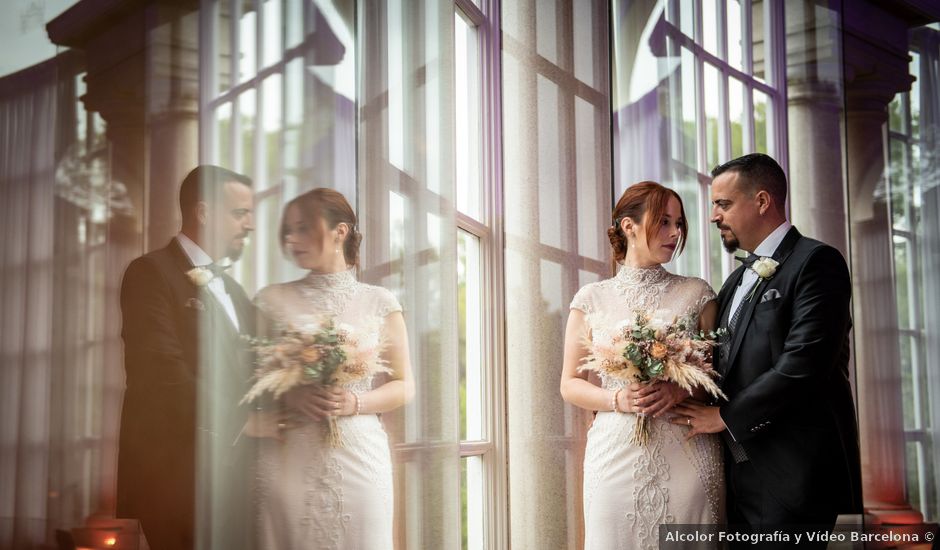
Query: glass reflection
{"points": [[338, 360]]}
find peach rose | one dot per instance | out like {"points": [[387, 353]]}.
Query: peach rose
{"points": [[658, 350]]}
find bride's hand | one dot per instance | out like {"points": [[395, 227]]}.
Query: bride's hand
{"points": [[657, 398], [314, 401]]}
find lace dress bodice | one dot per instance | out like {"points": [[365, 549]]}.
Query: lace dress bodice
{"points": [[309, 303], [652, 291]]}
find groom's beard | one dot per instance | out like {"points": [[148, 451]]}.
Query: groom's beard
{"points": [[729, 240], [235, 252]]}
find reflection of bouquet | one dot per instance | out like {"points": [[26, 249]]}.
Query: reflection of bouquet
{"points": [[329, 356], [668, 352]]}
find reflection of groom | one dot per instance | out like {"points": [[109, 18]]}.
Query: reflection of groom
{"points": [[792, 453], [182, 317]]}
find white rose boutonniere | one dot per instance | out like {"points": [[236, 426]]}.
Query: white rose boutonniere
{"points": [[765, 269], [200, 276]]}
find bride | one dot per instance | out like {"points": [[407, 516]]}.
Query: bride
{"points": [[629, 489], [310, 493]]}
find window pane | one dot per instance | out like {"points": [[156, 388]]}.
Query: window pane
{"points": [[760, 122], [687, 121], [711, 115], [896, 114], [472, 503], [736, 116], [716, 253], [467, 84], [244, 158], [272, 130], [223, 45], [901, 275], [294, 76], [273, 41], [293, 23], [898, 178], [735, 34], [470, 344], [550, 158], [247, 46], [223, 129], [396, 86], [709, 37], [759, 35]]}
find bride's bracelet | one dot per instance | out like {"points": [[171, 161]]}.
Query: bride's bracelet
{"points": [[358, 403], [613, 401]]}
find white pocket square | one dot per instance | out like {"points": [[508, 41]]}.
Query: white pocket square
{"points": [[194, 303], [772, 294]]}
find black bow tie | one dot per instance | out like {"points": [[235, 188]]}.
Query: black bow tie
{"points": [[747, 261], [218, 269]]}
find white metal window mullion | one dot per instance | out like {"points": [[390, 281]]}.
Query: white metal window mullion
{"points": [[496, 514]]}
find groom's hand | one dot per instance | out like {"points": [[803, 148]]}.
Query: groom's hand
{"points": [[700, 419], [657, 398], [314, 401]]}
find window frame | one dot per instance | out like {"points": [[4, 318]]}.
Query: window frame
{"points": [[485, 17]]}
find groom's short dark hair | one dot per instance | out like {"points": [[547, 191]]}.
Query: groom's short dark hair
{"points": [[206, 183], [756, 172]]}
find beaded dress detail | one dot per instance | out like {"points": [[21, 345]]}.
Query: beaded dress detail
{"points": [[629, 490], [310, 494]]}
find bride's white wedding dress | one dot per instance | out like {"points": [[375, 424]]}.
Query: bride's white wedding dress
{"points": [[629, 490], [311, 495]]}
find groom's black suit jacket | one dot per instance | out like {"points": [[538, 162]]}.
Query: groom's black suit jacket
{"points": [[182, 356], [786, 376]]}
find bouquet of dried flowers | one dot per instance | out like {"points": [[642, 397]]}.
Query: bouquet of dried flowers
{"points": [[329, 356], [646, 352]]}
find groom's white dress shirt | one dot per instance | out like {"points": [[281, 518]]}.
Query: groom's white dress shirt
{"points": [[765, 249], [199, 258]]}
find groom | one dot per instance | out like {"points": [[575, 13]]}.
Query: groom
{"points": [[789, 425], [185, 373]]}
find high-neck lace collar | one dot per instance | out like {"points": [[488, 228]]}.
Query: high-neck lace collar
{"points": [[642, 275], [338, 280]]}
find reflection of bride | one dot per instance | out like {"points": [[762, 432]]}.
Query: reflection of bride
{"points": [[630, 489], [310, 493]]}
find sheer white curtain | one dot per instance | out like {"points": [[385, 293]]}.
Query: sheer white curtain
{"points": [[60, 376], [27, 170]]}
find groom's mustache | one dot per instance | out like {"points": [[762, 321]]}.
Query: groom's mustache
{"points": [[719, 226]]}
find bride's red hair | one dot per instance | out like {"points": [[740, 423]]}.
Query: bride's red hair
{"points": [[648, 199]]}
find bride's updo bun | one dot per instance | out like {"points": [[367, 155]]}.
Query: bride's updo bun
{"points": [[638, 200], [331, 206]]}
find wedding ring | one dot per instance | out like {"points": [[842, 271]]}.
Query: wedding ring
{"points": [[281, 425], [688, 421]]}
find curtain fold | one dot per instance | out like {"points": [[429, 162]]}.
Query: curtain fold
{"points": [[27, 168]]}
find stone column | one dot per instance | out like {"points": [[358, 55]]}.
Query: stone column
{"points": [[814, 125], [556, 159], [876, 68]]}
